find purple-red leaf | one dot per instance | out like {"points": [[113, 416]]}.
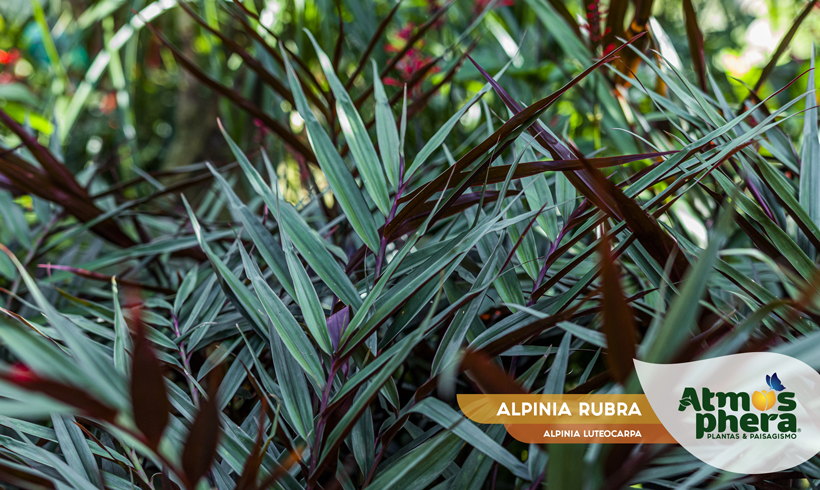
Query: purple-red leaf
{"points": [[490, 378], [619, 323], [200, 447], [148, 396], [53, 182], [336, 325], [96, 276], [22, 477], [520, 117], [612, 200], [247, 480], [695, 42], [25, 378], [528, 169], [519, 335]]}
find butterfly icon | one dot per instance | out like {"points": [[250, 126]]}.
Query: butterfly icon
{"points": [[774, 382]]}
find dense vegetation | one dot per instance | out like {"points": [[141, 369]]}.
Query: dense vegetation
{"points": [[263, 244]]}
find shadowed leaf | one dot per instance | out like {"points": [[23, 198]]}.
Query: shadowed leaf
{"points": [[148, 396], [619, 322], [201, 443], [695, 38]]}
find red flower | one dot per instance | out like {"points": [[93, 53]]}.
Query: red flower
{"points": [[403, 35], [481, 5], [413, 61], [9, 57], [410, 64], [596, 18]]}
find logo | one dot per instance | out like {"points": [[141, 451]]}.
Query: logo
{"points": [[745, 413], [714, 420]]}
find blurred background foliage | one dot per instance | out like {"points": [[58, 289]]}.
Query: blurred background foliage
{"points": [[139, 109]]}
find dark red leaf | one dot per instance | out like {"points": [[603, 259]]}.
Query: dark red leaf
{"points": [[25, 378], [251, 31], [148, 393], [54, 168], [521, 117], [340, 39], [489, 377], [96, 276], [528, 169], [21, 477], [519, 335], [695, 38], [250, 60], [167, 483], [53, 182], [619, 322], [247, 480], [615, 21], [294, 457], [612, 200], [200, 447], [422, 100]]}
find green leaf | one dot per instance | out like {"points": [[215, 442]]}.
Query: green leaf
{"points": [[93, 365], [663, 340], [185, 289], [265, 243], [810, 156], [421, 466], [565, 466], [344, 188], [305, 240], [245, 302], [564, 194], [386, 131], [558, 371], [291, 333], [122, 341], [362, 401], [362, 442], [437, 139], [295, 391], [442, 414], [477, 466], [307, 299], [14, 220], [355, 134]]}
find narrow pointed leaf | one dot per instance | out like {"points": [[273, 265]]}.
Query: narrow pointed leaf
{"points": [[355, 134], [345, 190]]}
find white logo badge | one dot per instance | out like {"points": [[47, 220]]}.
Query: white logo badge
{"points": [[751, 413]]}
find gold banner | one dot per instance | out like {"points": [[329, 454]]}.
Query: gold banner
{"points": [[614, 419]]}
